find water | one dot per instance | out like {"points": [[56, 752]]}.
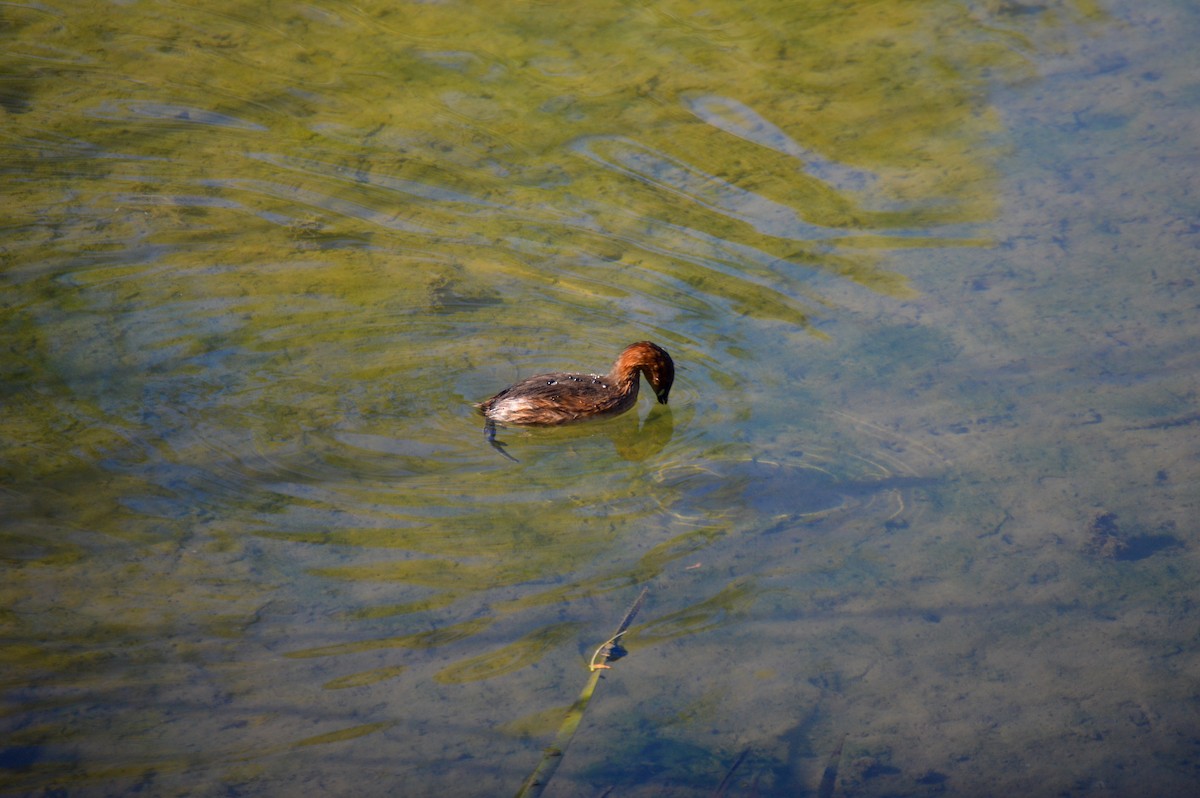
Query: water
{"points": [[925, 487]]}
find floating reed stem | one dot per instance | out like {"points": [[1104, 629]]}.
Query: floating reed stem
{"points": [[829, 777], [542, 774]]}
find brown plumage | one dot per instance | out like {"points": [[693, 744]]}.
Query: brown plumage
{"points": [[563, 397]]}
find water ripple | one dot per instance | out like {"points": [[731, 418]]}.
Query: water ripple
{"points": [[412, 188], [318, 199], [742, 121], [658, 169], [130, 110]]}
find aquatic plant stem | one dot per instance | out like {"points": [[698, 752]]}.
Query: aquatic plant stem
{"points": [[829, 776], [552, 756]]}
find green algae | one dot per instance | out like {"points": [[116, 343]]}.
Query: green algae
{"points": [[521, 653], [259, 262], [492, 137], [444, 635], [343, 734]]}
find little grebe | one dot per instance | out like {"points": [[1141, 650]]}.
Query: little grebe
{"points": [[561, 397]]}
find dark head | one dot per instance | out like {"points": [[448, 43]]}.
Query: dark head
{"points": [[651, 360]]}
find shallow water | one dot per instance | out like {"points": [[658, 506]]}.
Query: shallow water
{"points": [[925, 487]]}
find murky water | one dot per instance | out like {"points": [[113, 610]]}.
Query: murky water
{"points": [[925, 489]]}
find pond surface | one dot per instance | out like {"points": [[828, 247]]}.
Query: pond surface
{"points": [[922, 508]]}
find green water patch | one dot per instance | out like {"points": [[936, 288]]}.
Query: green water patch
{"points": [[705, 616], [721, 163], [343, 734], [365, 678], [258, 263], [519, 654], [441, 636]]}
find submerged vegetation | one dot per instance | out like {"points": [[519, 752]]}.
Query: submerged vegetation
{"points": [[258, 262]]}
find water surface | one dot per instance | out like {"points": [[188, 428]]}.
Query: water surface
{"points": [[925, 487]]}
